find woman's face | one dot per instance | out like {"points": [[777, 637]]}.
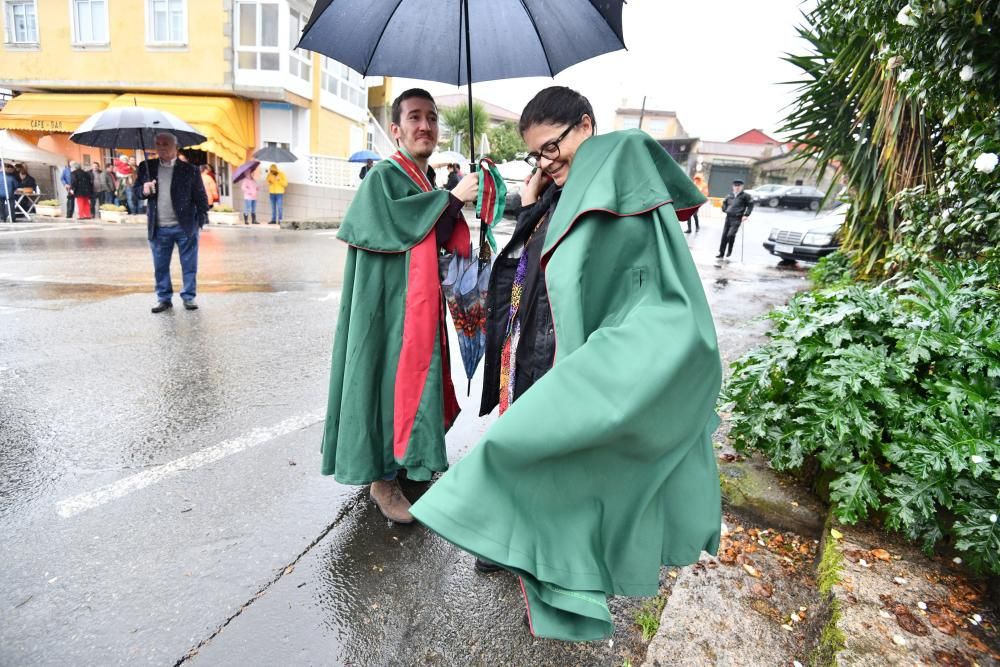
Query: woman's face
{"points": [[557, 166]]}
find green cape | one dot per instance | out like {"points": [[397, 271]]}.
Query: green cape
{"points": [[604, 469], [379, 418]]}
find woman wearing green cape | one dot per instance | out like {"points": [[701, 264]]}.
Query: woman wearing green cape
{"points": [[602, 355]]}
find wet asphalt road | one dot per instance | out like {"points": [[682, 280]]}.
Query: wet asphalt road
{"points": [[159, 491]]}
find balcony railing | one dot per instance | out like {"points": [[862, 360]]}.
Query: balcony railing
{"points": [[333, 172]]}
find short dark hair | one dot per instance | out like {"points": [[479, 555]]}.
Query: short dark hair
{"points": [[556, 105], [397, 104]]}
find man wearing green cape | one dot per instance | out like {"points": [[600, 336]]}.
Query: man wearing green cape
{"points": [[391, 398], [603, 468]]}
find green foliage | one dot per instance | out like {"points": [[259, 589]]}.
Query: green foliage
{"points": [[506, 142], [48, 202], [456, 119], [901, 100], [894, 389], [834, 269], [648, 617], [113, 208]]}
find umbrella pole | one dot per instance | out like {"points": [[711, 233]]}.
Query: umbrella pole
{"points": [[468, 83]]}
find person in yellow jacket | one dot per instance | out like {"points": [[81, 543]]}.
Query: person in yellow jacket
{"points": [[276, 184]]}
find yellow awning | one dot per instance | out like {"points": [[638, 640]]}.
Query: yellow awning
{"points": [[52, 112], [227, 122]]}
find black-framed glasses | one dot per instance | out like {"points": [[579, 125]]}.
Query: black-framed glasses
{"points": [[550, 149]]}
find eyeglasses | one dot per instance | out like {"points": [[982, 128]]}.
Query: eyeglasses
{"points": [[550, 150]]}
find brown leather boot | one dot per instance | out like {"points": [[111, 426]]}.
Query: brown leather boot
{"points": [[390, 501]]}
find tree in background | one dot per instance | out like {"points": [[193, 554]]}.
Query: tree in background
{"points": [[902, 102], [506, 142], [456, 119]]}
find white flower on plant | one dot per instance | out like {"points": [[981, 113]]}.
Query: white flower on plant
{"points": [[905, 75], [987, 162], [939, 7], [905, 17], [945, 214], [993, 518], [966, 73], [976, 458], [952, 185], [894, 62]]}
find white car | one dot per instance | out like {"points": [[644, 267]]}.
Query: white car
{"points": [[807, 239]]}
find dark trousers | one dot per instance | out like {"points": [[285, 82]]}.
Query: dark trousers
{"points": [[70, 202], [697, 224], [729, 236], [162, 246]]}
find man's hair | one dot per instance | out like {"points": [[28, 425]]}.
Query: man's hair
{"points": [[73, 164], [168, 135], [397, 104], [556, 105]]}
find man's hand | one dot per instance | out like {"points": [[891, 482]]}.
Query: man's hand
{"points": [[468, 188], [149, 187], [745, 217]]}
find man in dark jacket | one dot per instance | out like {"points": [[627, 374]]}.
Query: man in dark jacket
{"points": [[737, 206], [176, 210]]}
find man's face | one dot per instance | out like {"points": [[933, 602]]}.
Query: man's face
{"points": [[417, 131], [166, 149], [131, 161], [737, 188]]}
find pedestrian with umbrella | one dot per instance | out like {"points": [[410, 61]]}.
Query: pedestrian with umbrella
{"points": [[391, 396], [246, 176], [369, 158], [176, 205]]}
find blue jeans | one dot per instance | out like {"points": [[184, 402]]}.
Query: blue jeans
{"points": [[130, 202], [162, 246], [250, 206], [276, 206]]}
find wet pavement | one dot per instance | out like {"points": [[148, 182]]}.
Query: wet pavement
{"points": [[160, 499]]}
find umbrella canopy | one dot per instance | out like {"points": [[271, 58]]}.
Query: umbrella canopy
{"points": [[364, 156], [446, 157], [465, 288], [245, 170], [275, 154], [133, 127], [462, 42]]}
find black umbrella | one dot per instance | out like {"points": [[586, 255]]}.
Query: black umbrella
{"points": [[133, 127], [275, 154], [463, 41]]}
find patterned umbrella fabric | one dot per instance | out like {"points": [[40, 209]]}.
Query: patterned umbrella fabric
{"points": [[245, 170]]}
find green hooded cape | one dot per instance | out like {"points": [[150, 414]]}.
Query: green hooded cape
{"points": [[391, 398], [604, 468]]}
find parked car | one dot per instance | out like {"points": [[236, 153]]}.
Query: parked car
{"points": [[796, 196], [807, 240], [762, 193]]}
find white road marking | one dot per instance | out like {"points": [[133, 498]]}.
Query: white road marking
{"points": [[47, 229], [105, 494]]}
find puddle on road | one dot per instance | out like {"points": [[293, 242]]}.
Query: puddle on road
{"points": [[61, 291]]}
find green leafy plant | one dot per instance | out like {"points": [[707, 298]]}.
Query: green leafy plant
{"points": [[48, 202], [505, 142], [834, 269], [893, 390], [222, 208], [113, 208], [456, 119], [648, 617]]}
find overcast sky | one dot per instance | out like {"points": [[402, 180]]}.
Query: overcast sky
{"points": [[717, 63]]}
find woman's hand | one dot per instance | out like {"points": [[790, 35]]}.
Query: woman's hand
{"points": [[468, 188], [535, 185]]}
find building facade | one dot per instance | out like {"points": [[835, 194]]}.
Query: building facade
{"points": [[658, 123], [227, 67]]}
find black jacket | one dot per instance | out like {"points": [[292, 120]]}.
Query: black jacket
{"points": [[537, 346], [187, 194], [737, 206], [82, 183]]}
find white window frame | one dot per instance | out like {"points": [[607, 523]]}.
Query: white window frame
{"points": [[345, 78], [151, 30], [257, 49], [10, 33], [75, 24], [297, 58], [627, 122], [658, 125]]}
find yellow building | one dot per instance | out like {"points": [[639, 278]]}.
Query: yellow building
{"points": [[227, 67], [657, 123]]}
